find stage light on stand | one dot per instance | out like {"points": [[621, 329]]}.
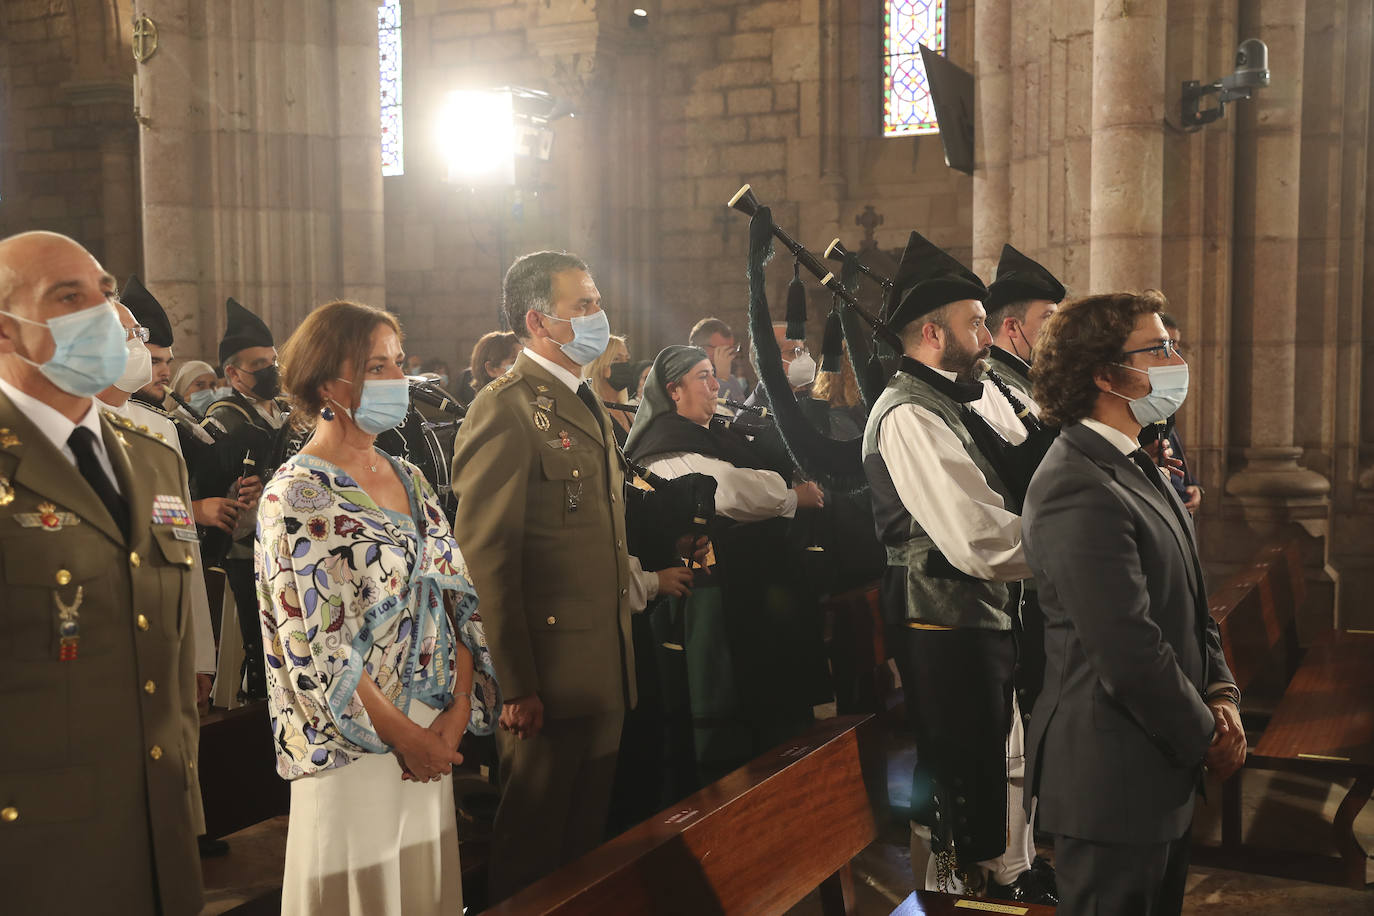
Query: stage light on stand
{"points": [[477, 138]]}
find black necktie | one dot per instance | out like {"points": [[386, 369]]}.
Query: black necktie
{"points": [[585, 393], [82, 442]]}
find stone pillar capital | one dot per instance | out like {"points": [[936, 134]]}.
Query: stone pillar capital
{"points": [[1274, 473]]}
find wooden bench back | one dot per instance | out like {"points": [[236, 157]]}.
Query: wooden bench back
{"points": [[1256, 611], [755, 842], [238, 769]]}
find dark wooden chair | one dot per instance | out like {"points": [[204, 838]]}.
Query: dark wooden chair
{"points": [[1307, 711], [755, 842]]}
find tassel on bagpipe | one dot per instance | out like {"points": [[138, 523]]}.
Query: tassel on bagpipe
{"points": [[836, 464]]}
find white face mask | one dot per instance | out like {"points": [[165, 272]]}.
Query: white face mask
{"points": [[138, 370], [801, 371], [1168, 388]]}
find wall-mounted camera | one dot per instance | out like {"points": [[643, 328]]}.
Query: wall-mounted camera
{"points": [[1251, 73]]}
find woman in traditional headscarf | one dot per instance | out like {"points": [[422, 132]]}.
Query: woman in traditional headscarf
{"points": [[748, 610]]}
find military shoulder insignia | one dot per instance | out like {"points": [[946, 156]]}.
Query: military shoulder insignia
{"points": [[48, 518], [501, 381], [125, 423], [7, 438]]}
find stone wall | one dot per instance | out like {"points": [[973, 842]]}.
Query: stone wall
{"points": [[674, 117], [68, 140]]}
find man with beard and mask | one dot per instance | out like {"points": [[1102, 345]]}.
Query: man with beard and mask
{"points": [[254, 421], [1138, 698], [754, 654], [1019, 300], [934, 454]]}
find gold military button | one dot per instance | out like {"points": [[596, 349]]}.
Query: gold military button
{"points": [[576, 473], [624, 592], [9, 815], [189, 561], [63, 577], [142, 622], [551, 621], [619, 543], [134, 559], [612, 497], [150, 687], [155, 752]]}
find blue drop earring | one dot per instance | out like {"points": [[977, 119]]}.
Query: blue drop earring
{"points": [[326, 413]]}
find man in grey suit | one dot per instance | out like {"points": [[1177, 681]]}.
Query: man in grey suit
{"points": [[1137, 696]]}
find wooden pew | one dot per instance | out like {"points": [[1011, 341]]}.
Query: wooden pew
{"points": [[238, 770], [1305, 711], [755, 842], [932, 903]]}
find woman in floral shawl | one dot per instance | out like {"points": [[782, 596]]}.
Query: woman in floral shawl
{"points": [[376, 665]]}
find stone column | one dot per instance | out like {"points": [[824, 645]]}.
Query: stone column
{"points": [[992, 133], [1265, 310], [1127, 143], [260, 159]]}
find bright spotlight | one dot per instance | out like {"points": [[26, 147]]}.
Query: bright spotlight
{"points": [[476, 135]]}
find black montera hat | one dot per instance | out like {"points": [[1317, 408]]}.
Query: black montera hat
{"points": [[927, 278], [147, 311], [242, 329], [1019, 278]]}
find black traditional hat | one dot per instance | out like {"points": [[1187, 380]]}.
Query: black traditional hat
{"points": [[1019, 279], [147, 311], [927, 278], [242, 330]]}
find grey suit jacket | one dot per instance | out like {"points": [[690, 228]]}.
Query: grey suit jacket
{"points": [[1118, 734]]}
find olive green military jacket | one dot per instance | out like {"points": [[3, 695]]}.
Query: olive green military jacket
{"points": [[99, 795], [541, 523]]}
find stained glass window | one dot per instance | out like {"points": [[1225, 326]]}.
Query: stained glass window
{"points": [[907, 108], [389, 48]]}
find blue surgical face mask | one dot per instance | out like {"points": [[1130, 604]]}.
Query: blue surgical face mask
{"points": [[1168, 388], [383, 404], [89, 352], [201, 400], [591, 334]]}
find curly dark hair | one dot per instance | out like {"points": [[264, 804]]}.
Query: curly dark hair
{"points": [[1079, 341]]}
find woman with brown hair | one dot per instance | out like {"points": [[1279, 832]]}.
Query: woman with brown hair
{"points": [[492, 355], [371, 682]]}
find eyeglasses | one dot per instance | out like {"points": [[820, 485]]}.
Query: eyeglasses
{"points": [[1163, 350], [136, 332]]}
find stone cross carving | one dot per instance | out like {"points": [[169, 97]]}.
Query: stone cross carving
{"points": [[145, 39], [869, 220]]}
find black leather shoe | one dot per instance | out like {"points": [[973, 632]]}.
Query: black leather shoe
{"points": [[1044, 873], [211, 847], [1025, 889]]}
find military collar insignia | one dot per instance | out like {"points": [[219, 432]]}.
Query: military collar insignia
{"points": [[47, 518]]}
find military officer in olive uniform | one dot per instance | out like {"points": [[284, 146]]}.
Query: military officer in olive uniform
{"points": [[99, 795], [541, 523]]}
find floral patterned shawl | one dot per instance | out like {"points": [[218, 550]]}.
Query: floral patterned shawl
{"points": [[345, 589]]}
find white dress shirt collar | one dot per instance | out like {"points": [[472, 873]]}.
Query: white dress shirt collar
{"points": [[1122, 442], [557, 371], [52, 424]]}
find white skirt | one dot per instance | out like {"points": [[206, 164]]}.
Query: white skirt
{"points": [[360, 840]]}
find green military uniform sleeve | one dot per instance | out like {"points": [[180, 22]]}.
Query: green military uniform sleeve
{"points": [[491, 468]]}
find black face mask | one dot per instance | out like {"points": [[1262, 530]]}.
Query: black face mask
{"points": [[623, 376], [267, 382]]}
